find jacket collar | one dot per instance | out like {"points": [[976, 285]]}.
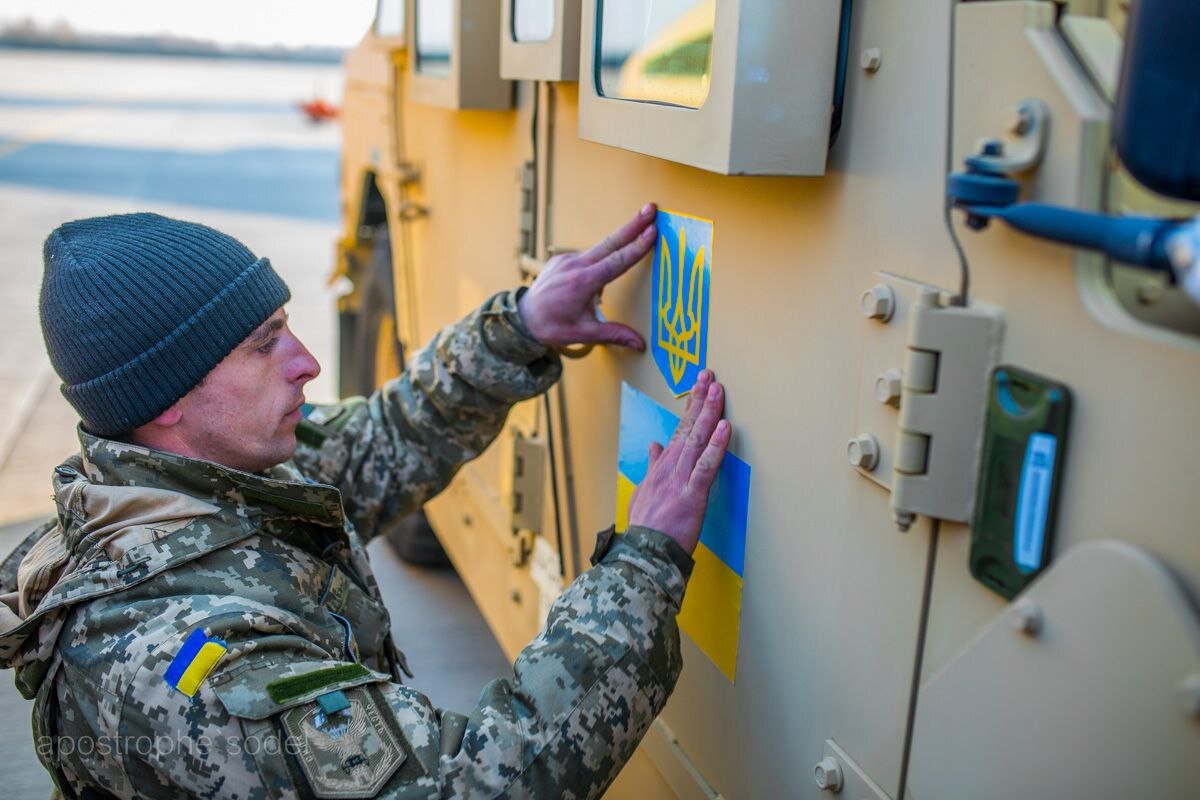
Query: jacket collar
{"points": [[127, 513], [280, 491]]}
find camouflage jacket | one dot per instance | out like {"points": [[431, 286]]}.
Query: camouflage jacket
{"points": [[150, 550]]}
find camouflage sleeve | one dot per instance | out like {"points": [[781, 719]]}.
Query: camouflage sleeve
{"points": [[403, 444], [585, 691], [282, 718]]}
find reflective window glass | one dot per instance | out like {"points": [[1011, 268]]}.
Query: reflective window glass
{"points": [[656, 50], [389, 18], [532, 20], [435, 25]]}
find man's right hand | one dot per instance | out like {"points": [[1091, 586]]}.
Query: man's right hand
{"points": [[673, 496]]}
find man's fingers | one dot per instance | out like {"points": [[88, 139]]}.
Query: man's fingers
{"points": [[621, 236], [612, 333], [617, 263], [656, 450], [692, 409], [702, 430], [710, 460]]}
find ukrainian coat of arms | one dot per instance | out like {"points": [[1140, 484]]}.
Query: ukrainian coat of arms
{"points": [[680, 284]]}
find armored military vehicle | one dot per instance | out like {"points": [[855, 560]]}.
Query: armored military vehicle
{"points": [[940, 254]]}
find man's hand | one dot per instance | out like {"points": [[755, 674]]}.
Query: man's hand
{"points": [[560, 308], [674, 493]]}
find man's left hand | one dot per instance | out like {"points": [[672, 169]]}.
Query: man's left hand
{"points": [[560, 308]]}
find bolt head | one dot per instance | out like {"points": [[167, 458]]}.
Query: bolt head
{"points": [[871, 59], [976, 222], [1026, 617], [888, 387], [863, 452], [878, 302], [1150, 291], [991, 147], [828, 774], [1018, 120]]}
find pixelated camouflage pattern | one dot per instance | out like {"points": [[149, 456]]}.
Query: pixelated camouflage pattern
{"points": [[149, 546]]}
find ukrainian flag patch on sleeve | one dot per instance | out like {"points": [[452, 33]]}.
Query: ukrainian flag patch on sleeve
{"points": [[194, 661]]}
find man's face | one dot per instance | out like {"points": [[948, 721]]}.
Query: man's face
{"points": [[244, 414]]}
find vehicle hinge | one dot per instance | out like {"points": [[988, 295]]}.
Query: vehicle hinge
{"points": [[525, 237], [529, 477], [410, 212], [409, 174], [943, 402]]}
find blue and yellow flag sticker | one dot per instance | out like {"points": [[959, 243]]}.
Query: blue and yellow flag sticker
{"points": [[194, 661], [679, 298], [712, 606]]}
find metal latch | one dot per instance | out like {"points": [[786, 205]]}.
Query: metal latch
{"points": [[943, 402], [529, 478], [525, 226]]}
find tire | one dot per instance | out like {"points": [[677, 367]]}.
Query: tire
{"points": [[379, 357]]}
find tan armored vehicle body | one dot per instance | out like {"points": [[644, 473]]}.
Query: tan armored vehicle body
{"points": [[859, 351]]}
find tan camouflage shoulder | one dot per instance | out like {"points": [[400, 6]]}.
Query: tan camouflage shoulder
{"points": [[392, 451]]}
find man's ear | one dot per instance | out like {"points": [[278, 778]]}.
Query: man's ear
{"points": [[169, 417]]}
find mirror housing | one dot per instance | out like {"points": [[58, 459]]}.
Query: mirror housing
{"points": [[1157, 119]]}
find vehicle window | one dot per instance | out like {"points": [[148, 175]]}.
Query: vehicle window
{"points": [[656, 50], [434, 34], [389, 18], [533, 20]]}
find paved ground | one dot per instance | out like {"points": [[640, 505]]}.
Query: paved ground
{"points": [[220, 143]]}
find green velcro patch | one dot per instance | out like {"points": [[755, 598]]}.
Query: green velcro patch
{"points": [[310, 435], [285, 689]]}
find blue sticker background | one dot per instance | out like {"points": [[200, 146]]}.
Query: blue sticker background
{"points": [[679, 298], [724, 531]]}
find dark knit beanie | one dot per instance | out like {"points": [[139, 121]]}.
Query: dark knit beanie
{"points": [[137, 308]]}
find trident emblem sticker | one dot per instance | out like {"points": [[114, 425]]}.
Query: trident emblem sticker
{"points": [[682, 262]]}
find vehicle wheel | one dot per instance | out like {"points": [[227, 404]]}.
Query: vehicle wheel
{"points": [[379, 358]]}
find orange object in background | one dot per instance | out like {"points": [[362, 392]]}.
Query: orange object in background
{"points": [[318, 110]]}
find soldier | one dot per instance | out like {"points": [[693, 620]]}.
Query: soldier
{"points": [[200, 619]]}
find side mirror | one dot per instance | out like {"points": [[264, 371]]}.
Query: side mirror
{"points": [[1158, 140], [1157, 119]]}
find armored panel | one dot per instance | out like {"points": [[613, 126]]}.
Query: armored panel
{"points": [[454, 47], [730, 86], [1130, 382], [1089, 686], [838, 610], [539, 40]]}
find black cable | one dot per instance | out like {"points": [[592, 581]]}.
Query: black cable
{"points": [[533, 247], [533, 168], [558, 535], [964, 268], [919, 656]]}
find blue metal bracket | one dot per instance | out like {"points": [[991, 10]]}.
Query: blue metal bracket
{"points": [[986, 191]]}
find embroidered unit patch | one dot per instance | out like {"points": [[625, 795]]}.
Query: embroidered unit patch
{"points": [[346, 753], [194, 661]]}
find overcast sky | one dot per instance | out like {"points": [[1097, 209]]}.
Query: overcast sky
{"points": [[293, 23]]}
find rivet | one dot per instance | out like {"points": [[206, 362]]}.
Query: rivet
{"points": [[1026, 617], [871, 59]]}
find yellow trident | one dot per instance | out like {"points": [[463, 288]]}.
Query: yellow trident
{"points": [[678, 329]]}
